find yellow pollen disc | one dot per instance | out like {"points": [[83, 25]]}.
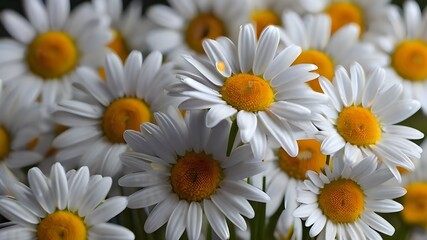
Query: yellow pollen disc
{"points": [[118, 45], [342, 201], [52, 55], [247, 92], [124, 114], [358, 126], [264, 18], [415, 204], [409, 60], [309, 158], [61, 225], [4, 143], [342, 13], [325, 66], [203, 26], [196, 176]]}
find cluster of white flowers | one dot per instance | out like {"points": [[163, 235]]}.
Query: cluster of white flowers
{"points": [[206, 119]]}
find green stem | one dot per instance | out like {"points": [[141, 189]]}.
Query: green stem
{"points": [[232, 136], [271, 225]]}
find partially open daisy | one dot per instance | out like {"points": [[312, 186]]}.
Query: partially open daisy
{"points": [[185, 173], [98, 117], [342, 202], [406, 44], [49, 46], [127, 25], [283, 176], [368, 15], [312, 34], [415, 200], [186, 23], [254, 84], [63, 206], [362, 118]]}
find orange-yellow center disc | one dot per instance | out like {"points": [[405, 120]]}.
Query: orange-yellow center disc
{"points": [[247, 92], [343, 13], [325, 66], [4, 143], [124, 114], [409, 60], [196, 176], [342, 201], [52, 55], [415, 204], [309, 158], [61, 225], [264, 18], [203, 26], [358, 126]]}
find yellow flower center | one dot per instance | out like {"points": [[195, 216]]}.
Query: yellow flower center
{"points": [[264, 18], [309, 158], [343, 13], [342, 201], [247, 92], [4, 143], [61, 225], [203, 26], [358, 126], [124, 114], [415, 204], [196, 176], [52, 55], [325, 66], [409, 60], [118, 45]]}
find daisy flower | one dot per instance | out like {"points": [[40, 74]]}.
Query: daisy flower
{"points": [[283, 176], [254, 84], [63, 206], [406, 44], [185, 173], [370, 16], [342, 202], [127, 25], [184, 24], [312, 34], [49, 46], [415, 200], [362, 119], [20, 123], [97, 118]]}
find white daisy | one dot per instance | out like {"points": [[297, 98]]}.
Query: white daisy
{"points": [[343, 202], [184, 171], [186, 23], [406, 44], [49, 46], [282, 178], [127, 25], [97, 119], [20, 123], [369, 15], [254, 84], [362, 117], [312, 34], [63, 206]]}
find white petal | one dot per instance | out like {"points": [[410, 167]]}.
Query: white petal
{"points": [[14, 211], [194, 221], [265, 49], [40, 189], [378, 223], [94, 195], [37, 14], [58, 11], [216, 219], [107, 210], [246, 47], [17, 26], [59, 186], [177, 221], [115, 75], [161, 213], [282, 61], [218, 113], [247, 122], [148, 196], [109, 231], [216, 56], [165, 16]]}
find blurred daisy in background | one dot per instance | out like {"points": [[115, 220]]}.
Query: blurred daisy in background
{"points": [[406, 44], [47, 48], [96, 121], [184, 171], [253, 84], [184, 24], [370, 16], [362, 119], [343, 47], [63, 206], [343, 202]]}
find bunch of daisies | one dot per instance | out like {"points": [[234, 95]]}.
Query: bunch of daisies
{"points": [[203, 119]]}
